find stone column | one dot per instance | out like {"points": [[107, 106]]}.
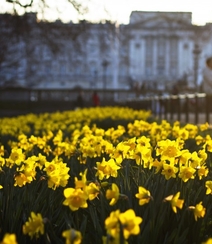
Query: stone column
{"points": [[167, 57], [155, 54]]}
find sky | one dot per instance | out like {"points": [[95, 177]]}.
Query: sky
{"points": [[120, 10]]}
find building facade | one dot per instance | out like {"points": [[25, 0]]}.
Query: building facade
{"points": [[157, 49], [164, 48]]}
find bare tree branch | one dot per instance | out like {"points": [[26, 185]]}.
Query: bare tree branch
{"points": [[20, 4], [81, 9], [78, 7]]}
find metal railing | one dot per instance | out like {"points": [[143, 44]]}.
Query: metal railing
{"points": [[21, 101], [189, 108]]}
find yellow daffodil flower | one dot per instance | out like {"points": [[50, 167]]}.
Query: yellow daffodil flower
{"points": [[208, 145], [92, 190], [58, 137], [143, 155], [203, 155], [169, 171], [199, 210], [130, 223], [75, 198], [195, 160], [121, 151], [186, 173], [192, 130], [113, 194], [204, 127], [199, 139], [20, 179], [105, 169], [34, 226], [57, 173], [2, 162], [158, 165], [72, 236], [112, 224], [208, 185], [2, 150], [168, 150], [175, 201], [183, 134], [143, 195], [16, 157], [184, 157], [81, 183], [202, 171], [9, 239], [209, 241]]}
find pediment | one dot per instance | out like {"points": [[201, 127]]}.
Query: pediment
{"points": [[159, 20]]}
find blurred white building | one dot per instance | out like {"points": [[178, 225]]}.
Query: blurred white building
{"points": [[157, 49], [164, 47]]}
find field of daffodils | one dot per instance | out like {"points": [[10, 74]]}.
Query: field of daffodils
{"points": [[110, 175]]}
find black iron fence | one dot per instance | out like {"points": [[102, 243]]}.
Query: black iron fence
{"points": [[14, 101], [189, 108], [194, 108]]}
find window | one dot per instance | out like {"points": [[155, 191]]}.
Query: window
{"points": [[149, 56], [63, 67], [46, 53], [185, 46], [161, 56], [173, 56], [48, 67], [137, 45], [55, 67], [78, 68]]}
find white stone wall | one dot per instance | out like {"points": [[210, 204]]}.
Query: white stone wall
{"points": [[155, 48]]}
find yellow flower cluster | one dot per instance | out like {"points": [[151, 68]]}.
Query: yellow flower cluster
{"points": [[127, 223], [113, 167], [68, 120]]}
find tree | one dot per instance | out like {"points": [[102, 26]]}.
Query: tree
{"points": [[43, 6], [25, 38], [21, 34]]}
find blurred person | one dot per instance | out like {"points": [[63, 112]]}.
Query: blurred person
{"points": [[143, 88], [206, 85], [174, 100], [207, 76], [175, 89], [137, 88], [80, 100], [96, 99]]}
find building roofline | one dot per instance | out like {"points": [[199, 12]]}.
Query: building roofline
{"points": [[172, 12]]}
